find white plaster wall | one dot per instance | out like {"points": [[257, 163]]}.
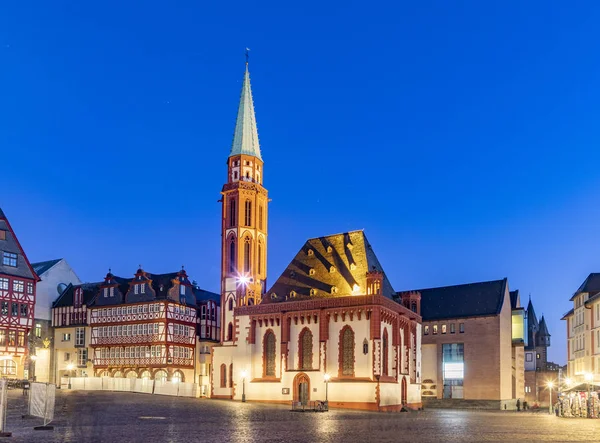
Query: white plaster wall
{"points": [[46, 292], [430, 363]]}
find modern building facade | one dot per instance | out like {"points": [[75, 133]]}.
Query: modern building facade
{"points": [[17, 303], [473, 344], [331, 327], [55, 276]]}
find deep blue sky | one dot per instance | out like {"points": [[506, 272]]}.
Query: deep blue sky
{"points": [[462, 136]]}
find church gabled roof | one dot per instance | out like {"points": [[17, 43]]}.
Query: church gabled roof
{"points": [[245, 136], [330, 266]]}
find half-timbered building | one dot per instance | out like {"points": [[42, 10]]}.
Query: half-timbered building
{"points": [[208, 334], [144, 327], [17, 300], [330, 327]]}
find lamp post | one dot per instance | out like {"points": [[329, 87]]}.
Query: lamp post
{"points": [[70, 368], [326, 377], [244, 374], [550, 386]]}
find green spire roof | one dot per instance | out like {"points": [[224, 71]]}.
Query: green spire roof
{"points": [[245, 137]]}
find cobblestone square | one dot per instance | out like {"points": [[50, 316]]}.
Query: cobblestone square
{"points": [[85, 416]]}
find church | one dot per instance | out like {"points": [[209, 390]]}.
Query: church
{"points": [[331, 328]]}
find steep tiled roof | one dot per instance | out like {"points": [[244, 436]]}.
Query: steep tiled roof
{"points": [[204, 295], [591, 284], [90, 290], [568, 314], [43, 266], [543, 331], [11, 245], [339, 261], [461, 301], [514, 298]]}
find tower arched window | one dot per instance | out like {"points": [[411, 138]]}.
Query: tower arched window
{"points": [[305, 357], [232, 212], [230, 331], [269, 354], [260, 217], [223, 376], [385, 352], [232, 256], [346, 347], [230, 307], [231, 375], [259, 258], [247, 254], [248, 213]]}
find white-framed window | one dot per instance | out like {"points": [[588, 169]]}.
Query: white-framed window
{"points": [[4, 283], [9, 259], [29, 288], [105, 292], [18, 285], [80, 337], [181, 289], [136, 289], [143, 288], [128, 310], [112, 291], [66, 337]]}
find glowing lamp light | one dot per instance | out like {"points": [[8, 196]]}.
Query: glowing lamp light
{"points": [[243, 280], [70, 367], [244, 374], [588, 377], [550, 384], [355, 289], [327, 377], [33, 357]]}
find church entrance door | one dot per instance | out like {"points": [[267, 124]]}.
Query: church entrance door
{"points": [[302, 389]]}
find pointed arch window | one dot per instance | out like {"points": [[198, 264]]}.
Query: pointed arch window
{"points": [[260, 217], [305, 357], [223, 376], [260, 258], [230, 331], [346, 347], [232, 213], [269, 354], [385, 352], [231, 375], [248, 213], [247, 254], [232, 256]]}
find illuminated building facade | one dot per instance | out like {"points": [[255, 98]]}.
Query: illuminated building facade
{"points": [[17, 300], [331, 316]]}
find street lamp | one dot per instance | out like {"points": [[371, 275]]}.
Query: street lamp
{"points": [[70, 368], [550, 386], [326, 377], [244, 374]]}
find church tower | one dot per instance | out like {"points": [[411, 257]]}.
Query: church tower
{"points": [[244, 218]]}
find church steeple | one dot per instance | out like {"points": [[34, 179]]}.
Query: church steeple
{"points": [[244, 218], [245, 136]]}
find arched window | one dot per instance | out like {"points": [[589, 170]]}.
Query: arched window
{"points": [[231, 256], [177, 377], [248, 213], [305, 344], [146, 375], [260, 217], [230, 307], [223, 376], [259, 258], [269, 354], [346, 347], [247, 254], [230, 331], [385, 352], [232, 212], [132, 374], [413, 306], [231, 375], [365, 347]]}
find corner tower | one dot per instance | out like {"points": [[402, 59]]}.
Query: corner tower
{"points": [[244, 218]]}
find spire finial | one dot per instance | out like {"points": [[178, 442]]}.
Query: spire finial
{"points": [[530, 296], [247, 56]]}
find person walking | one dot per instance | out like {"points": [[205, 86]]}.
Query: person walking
{"points": [[518, 404]]}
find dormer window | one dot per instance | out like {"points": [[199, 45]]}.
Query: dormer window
{"points": [[106, 292], [352, 266], [273, 296], [311, 252], [311, 271], [329, 249], [143, 288], [313, 292], [112, 291], [332, 269], [9, 259], [334, 290], [293, 294], [135, 289], [181, 289]]}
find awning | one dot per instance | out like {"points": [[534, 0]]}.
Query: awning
{"points": [[581, 387]]}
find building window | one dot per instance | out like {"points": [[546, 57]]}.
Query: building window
{"points": [[230, 332], [181, 289], [9, 259], [232, 256], [8, 367], [24, 310], [143, 288], [260, 217], [80, 337], [4, 308], [232, 214], [305, 357], [82, 357], [135, 289], [365, 347], [248, 213], [537, 356], [453, 370], [346, 346], [4, 284], [106, 292], [435, 329], [223, 376], [230, 305], [452, 328], [30, 288], [231, 375], [259, 257], [443, 329], [12, 338], [385, 352], [112, 292], [269, 354], [21, 339], [247, 254], [426, 330], [528, 357], [66, 337], [18, 285], [461, 328], [14, 309], [38, 330]]}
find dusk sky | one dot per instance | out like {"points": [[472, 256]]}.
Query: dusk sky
{"points": [[462, 136]]}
